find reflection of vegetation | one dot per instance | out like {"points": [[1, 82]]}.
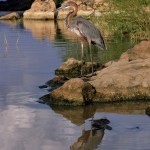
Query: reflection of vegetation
{"points": [[115, 48], [129, 17]]}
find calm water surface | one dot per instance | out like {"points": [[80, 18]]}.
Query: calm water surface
{"points": [[29, 53]]}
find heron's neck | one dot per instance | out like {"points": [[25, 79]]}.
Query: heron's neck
{"points": [[70, 16]]}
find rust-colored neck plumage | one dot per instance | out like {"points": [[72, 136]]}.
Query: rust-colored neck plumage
{"points": [[71, 14]]}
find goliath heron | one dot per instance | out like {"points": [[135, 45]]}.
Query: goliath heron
{"points": [[83, 28]]}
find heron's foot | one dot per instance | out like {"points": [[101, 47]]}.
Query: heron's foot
{"points": [[90, 75]]}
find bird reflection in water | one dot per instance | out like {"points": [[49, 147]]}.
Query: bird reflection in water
{"points": [[90, 139]]}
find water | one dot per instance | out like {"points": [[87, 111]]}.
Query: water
{"points": [[30, 51]]}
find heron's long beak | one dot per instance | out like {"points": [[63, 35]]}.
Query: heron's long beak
{"points": [[61, 7]]}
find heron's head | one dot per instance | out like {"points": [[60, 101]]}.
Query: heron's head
{"points": [[67, 5]]}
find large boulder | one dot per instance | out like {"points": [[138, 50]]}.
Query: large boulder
{"points": [[41, 10], [72, 68], [74, 92], [127, 79]]}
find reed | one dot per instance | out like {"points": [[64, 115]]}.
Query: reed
{"points": [[5, 40]]}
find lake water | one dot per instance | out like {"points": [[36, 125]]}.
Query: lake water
{"points": [[30, 51]]}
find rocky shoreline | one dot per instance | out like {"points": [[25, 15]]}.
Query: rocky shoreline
{"points": [[127, 79], [44, 10]]}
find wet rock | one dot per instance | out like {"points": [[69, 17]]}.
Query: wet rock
{"points": [[72, 68], [147, 111], [53, 83], [11, 16], [101, 124], [73, 92]]}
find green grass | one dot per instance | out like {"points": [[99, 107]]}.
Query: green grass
{"points": [[127, 17]]}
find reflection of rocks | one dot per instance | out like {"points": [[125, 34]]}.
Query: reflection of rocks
{"points": [[48, 29], [11, 16], [127, 79], [41, 29], [77, 115]]}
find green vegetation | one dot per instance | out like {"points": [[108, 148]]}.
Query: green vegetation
{"points": [[130, 17]]}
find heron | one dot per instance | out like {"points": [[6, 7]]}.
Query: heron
{"points": [[84, 29]]}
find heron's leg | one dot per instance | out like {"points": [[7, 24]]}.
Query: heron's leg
{"points": [[82, 59], [91, 57]]}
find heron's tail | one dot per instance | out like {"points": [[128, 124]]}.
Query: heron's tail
{"points": [[101, 45]]}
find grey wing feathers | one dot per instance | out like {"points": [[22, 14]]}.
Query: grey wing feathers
{"points": [[88, 30]]}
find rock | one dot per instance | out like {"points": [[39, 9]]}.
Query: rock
{"points": [[41, 10], [140, 51], [147, 111], [73, 92], [86, 8], [126, 79], [11, 16], [72, 68]]}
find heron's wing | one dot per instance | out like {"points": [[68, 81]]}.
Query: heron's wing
{"points": [[89, 31]]}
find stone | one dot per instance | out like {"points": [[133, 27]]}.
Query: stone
{"points": [[127, 79], [41, 10], [11, 16], [139, 51], [44, 10], [147, 111], [72, 68], [73, 92]]}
